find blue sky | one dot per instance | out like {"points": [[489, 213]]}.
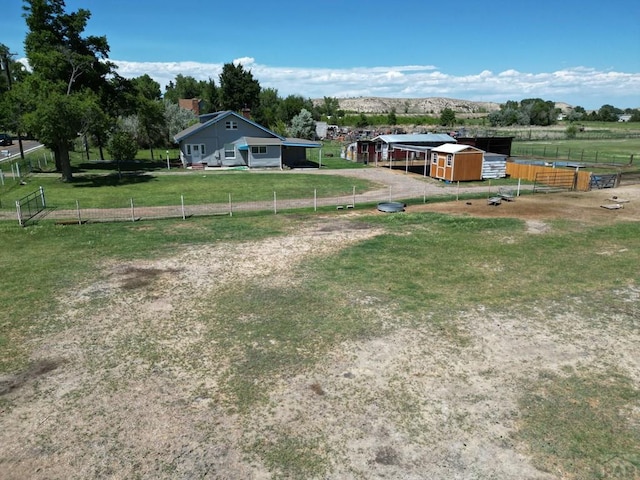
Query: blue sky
{"points": [[584, 52]]}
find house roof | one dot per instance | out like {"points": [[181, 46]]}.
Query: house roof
{"points": [[301, 142], [454, 148], [245, 142], [409, 138], [211, 118]]}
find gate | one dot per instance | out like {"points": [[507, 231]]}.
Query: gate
{"points": [[30, 206], [555, 181]]}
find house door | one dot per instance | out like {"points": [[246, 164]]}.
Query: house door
{"points": [[440, 169], [196, 154]]}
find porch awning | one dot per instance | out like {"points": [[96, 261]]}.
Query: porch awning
{"points": [[245, 142]]}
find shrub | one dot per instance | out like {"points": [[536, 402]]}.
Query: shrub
{"points": [[122, 146]]}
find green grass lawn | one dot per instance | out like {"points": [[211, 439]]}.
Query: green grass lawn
{"points": [[104, 191]]}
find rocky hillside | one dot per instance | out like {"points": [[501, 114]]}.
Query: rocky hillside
{"points": [[420, 106], [431, 105]]}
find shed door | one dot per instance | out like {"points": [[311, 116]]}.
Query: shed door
{"points": [[440, 168]]}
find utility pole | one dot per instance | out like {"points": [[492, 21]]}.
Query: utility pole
{"points": [[5, 65]]}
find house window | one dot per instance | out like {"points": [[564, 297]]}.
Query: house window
{"points": [[231, 125], [229, 150], [261, 150], [378, 146], [188, 149], [449, 160], [434, 158], [364, 148]]}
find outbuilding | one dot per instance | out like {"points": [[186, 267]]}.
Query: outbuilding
{"points": [[453, 162]]}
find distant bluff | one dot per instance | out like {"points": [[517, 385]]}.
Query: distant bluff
{"points": [[416, 106], [419, 106]]}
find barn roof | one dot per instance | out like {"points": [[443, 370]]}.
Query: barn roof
{"points": [[409, 138]]}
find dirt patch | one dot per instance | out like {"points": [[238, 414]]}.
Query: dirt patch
{"points": [[585, 207]]}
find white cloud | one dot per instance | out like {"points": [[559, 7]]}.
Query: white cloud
{"points": [[583, 86]]}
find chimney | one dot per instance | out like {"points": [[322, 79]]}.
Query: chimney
{"points": [[246, 113]]}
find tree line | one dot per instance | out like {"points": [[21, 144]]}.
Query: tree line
{"points": [[73, 91], [535, 111]]}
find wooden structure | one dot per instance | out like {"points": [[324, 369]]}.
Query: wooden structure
{"points": [[452, 162], [501, 145], [553, 178]]}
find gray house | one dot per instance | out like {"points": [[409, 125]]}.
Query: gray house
{"points": [[228, 139]]}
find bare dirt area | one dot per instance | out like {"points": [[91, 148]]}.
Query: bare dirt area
{"points": [[134, 386], [587, 207]]}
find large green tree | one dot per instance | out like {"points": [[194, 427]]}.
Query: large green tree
{"points": [[531, 111], [150, 112], [238, 88], [69, 72], [186, 86], [447, 117]]}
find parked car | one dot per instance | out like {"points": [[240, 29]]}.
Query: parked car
{"points": [[5, 139]]}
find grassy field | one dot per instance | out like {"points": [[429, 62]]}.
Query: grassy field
{"points": [[104, 191], [619, 151], [434, 276]]}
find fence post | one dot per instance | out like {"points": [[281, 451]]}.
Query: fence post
{"points": [[275, 203], [353, 202], [78, 210], [315, 199], [44, 204], [230, 209], [2, 177], [19, 210], [182, 204], [133, 216]]}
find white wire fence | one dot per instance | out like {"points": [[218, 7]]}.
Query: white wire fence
{"points": [[181, 207]]}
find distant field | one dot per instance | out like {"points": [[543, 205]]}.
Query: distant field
{"points": [[620, 151]]}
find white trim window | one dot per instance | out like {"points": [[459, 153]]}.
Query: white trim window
{"points": [[229, 150], [259, 150], [378, 147], [449, 160], [364, 148], [231, 125], [434, 157]]}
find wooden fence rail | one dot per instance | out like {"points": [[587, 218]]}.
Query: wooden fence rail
{"points": [[582, 181]]}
